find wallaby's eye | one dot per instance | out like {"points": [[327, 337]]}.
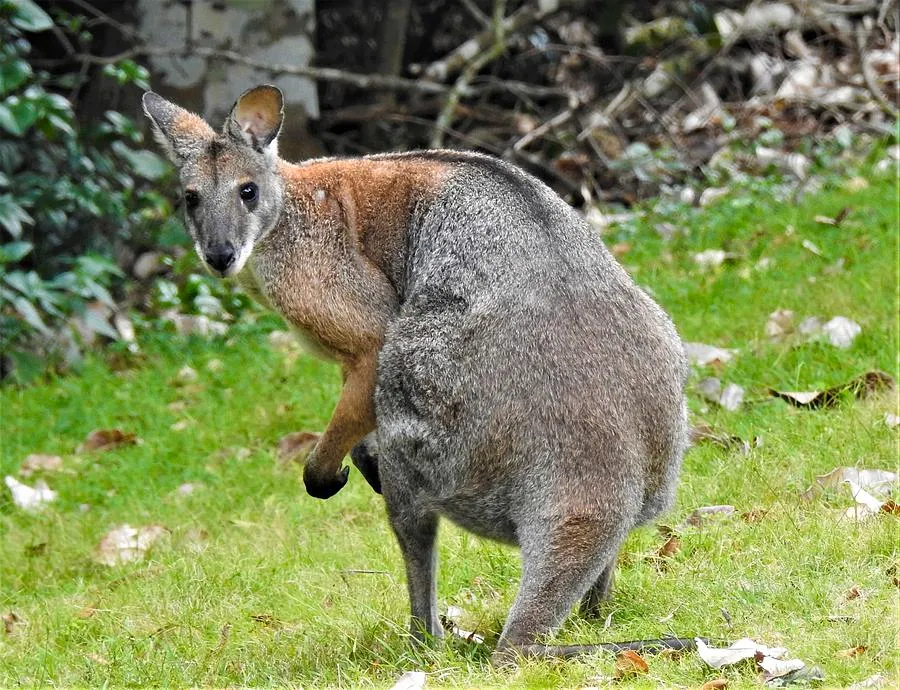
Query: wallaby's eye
{"points": [[249, 193], [191, 198]]}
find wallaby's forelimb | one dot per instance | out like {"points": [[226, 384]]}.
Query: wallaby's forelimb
{"points": [[352, 419]]}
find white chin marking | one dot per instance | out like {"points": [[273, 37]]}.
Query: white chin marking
{"points": [[243, 253]]}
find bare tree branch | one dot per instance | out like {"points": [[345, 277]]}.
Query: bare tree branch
{"points": [[459, 58], [362, 81], [869, 75], [445, 119]]}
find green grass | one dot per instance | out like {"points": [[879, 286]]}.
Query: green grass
{"points": [[185, 616]]}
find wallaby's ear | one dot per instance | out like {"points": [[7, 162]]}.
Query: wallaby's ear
{"points": [[256, 118], [179, 132]]}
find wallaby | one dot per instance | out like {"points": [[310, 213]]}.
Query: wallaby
{"points": [[500, 368]]}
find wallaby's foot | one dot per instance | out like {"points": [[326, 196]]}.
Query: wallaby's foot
{"points": [[367, 464], [323, 486], [592, 603], [426, 634]]}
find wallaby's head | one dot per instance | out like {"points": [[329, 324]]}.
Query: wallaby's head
{"points": [[232, 189]]}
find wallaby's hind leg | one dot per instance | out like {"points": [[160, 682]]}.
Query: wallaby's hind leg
{"points": [[592, 602], [559, 566], [417, 533]]}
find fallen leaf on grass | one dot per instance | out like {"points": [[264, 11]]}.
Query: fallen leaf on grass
{"points": [[810, 246], [837, 220], [97, 659], [866, 505], [841, 331], [40, 463], [411, 680], [715, 684], [755, 515], [703, 355], [730, 397], [86, 612], [801, 676], [695, 519], [876, 681], [188, 488], [30, 498], [295, 445], [704, 433], [741, 650], [629, 663], [861, 387], [106, 439], [780, 324], [197, 539], [181, 425], [670, 548], [713, 258], [450, 622], [773, 668], [126, 544], [850, 653], [10, 621], [185, 375], [877, 481]]}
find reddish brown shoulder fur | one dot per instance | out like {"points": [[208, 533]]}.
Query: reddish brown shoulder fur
{"points": [[376, 196]]}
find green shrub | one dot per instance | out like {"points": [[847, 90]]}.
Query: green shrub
{"points": [[68, 193]]}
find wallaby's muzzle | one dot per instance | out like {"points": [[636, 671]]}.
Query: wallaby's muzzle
{"points": [[220, 256]]}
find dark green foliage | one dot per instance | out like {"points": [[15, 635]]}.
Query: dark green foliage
{"points": [[69, 194]]}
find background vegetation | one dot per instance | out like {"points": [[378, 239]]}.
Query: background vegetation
{"points": [[740, 159]]}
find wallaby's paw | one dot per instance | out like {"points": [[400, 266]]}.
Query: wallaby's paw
{"points": [[324, 487], [367, 464]]}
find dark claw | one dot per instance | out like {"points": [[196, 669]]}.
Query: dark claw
{"points": [[367, 464], [319, 487]]}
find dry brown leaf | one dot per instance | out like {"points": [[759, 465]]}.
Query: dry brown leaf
{"points": [[10, 621], [629, 663], [86, 612], [107, 439], [670, 548], [715, 684], [850, 653], [755, 515], [862, 386], [97, 659], [853, 593], [296, 445], [891, 508], [40, 463]]}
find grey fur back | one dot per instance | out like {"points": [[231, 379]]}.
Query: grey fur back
{"points": [[526, 375]]}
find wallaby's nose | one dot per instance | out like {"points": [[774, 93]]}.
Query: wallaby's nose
{"points": [[220, 256]]}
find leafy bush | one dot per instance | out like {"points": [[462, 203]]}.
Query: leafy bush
{"points": [[68, 193]]}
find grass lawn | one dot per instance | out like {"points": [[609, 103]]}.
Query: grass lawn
{"points": [[258, 584]]}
